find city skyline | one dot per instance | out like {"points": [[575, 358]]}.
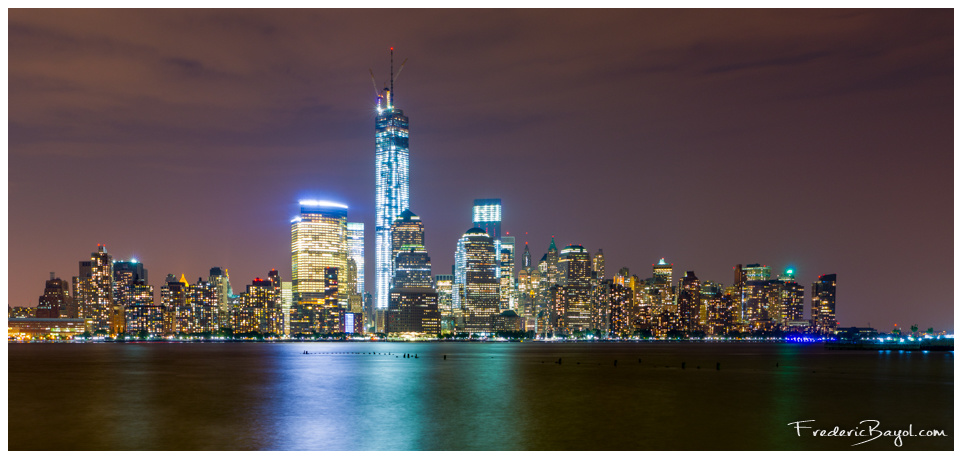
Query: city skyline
{"points": [[770, 216]]}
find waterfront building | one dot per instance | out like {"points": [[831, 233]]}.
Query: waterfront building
{"points": [[174, 295], [392, 186], [352, 323], [125, 275], [509, 298], [286, 302], [508, 321], [761, 303], [575, 312], [34, 328], [354, 299], [711, 293], [413, 306], [93, 290], [202, 300], [261, 310], [823, 304], [143, 317], [480, 281], [443, 283], [458, 270], [355, 251], [55, 301], [689, 302], [413, 310], [318, 244], [617, 299], [792, 302], [219, 280]]}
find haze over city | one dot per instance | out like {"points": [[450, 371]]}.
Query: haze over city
{"points": [[818, 140]]}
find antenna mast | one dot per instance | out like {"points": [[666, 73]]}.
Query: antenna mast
{"points": [[392, 77]]}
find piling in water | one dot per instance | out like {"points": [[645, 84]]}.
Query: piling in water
{"points": [[717, 365], [683, 365]]}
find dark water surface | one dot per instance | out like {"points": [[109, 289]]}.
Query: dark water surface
{"points": [[485, 396]]}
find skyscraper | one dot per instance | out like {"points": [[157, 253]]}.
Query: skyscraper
{"points": [[391, 190], [551, 258], [220, 282], [318, 242], [481, 284], [598, 265], [689, 302], [823, 304], [443, 284], [130, 278], [407, 231], [355, 251], [93, 289], [486, 214], [575, 270]]}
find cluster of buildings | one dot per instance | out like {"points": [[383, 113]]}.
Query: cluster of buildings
{"points": [[566, 293]]}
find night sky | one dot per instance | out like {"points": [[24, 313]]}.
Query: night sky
{"points": [[817, 139]]}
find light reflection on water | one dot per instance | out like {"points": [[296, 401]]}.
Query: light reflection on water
{"points": [[484, 396]]}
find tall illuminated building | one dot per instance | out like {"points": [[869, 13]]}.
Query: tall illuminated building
{"points": [[458, 270], [443, 284], [93, 290], [391, 189], [598, 264], [689, 302], [261, 310], [126, 273], [551, 259], [175, 301], [575, 312], [355, 251], [406, 231], [479, 304], [286, 300], [219, 279], [143, 317], [792, 302], [318, 242], [486, 214], [823, 304], [661, 289]]}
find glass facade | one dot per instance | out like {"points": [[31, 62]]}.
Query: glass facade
{"points": [[355, 251], [318, 241], [481, 284], [486, 214], [823, 303], [391, 192]]}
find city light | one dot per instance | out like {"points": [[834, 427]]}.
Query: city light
{"points": [[315, 203]]}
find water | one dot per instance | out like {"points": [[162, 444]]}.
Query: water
{"points": [[484, 396]]}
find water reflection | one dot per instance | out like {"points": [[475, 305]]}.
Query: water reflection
{"points": [[493, 396]]}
